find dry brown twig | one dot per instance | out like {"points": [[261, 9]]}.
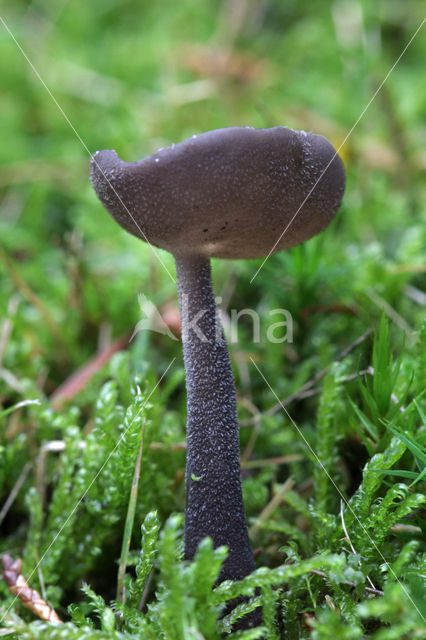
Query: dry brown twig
{"points": [[271, 506], [20, 588], [15, 490], [307, 389], [34, 300]]}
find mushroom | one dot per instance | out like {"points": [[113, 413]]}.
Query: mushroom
{"points": [[228, 193]]}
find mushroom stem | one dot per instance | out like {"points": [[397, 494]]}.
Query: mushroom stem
{"points": [[214, 505]]}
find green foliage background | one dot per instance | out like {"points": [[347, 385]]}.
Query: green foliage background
{"points": [[136, 76]]}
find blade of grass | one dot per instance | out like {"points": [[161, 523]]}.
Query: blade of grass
{"points": [[401, 473], [369, 426], [19, 405], [128, 528], [418, 452]]}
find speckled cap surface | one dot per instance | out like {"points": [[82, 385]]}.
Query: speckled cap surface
{"points": [[227, 193]]}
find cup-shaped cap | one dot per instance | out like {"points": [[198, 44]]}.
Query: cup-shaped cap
{"points": [[228, 193]]}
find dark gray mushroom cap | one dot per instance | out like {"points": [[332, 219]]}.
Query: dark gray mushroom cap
{"points": [[228, 193]]}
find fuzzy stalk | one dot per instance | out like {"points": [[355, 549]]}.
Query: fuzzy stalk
{"points": [[214, 505]]}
